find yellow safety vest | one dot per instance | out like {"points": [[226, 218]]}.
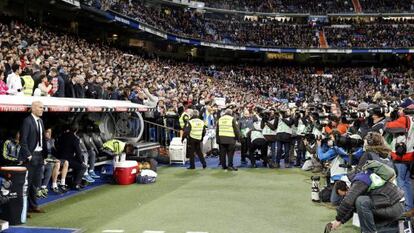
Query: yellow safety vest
{"points": [[28, 85], [181, 120], [226, 126], [115, 146], [197, 127]]}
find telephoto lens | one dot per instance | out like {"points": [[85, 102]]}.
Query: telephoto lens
{"points": [[315, 188]]}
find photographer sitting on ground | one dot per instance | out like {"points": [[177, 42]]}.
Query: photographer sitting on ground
{"points": [[336, 156], [374, 197], [312, 162]]}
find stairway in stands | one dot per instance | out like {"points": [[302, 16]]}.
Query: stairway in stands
{"points": [[322, 40], [357, 6]]}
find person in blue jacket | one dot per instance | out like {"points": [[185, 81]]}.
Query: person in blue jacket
{"points": [[327, 151]]}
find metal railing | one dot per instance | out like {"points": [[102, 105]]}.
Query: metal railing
{"points": [[163, 134]]}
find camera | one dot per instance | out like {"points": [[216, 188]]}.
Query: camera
{"points": [[265, 115], [400, 149], [409, 111], [318, 137], [348, 142]]}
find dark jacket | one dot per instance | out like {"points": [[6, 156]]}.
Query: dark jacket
{"points": [[370, 151], [29, 138], [91, 91], [69, 147], [61, 87], [378, 127], [79, 91], [228, 140], [382, 197]]}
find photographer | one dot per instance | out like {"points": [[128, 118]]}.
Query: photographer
{"points": [[312, 162], [327, 151], [284, 136], [376, 200], [256, 141], [245, 125], [376, 120], [301, 124], [269, 125], [401, 128], [374, 149]]}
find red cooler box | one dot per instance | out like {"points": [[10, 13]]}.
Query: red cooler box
{"points": [[126, 172]]}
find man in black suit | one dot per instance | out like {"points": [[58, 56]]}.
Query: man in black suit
{"points": [[33, 152], [69, 149]]}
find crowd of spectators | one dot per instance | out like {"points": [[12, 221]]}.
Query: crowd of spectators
{"points": [[303, 6], [371, 36], [232, 29], [387, 5], [63, 66], [284, 6], [240, 30]]}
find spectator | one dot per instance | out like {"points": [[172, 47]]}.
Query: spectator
{"points": [[46, 89], [58, 83], [14, 82], [3, 86]]}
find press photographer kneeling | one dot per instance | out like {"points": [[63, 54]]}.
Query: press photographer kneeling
{"points": [[374, 196]]}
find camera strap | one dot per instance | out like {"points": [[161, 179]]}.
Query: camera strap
{"points": [[407, 127]]}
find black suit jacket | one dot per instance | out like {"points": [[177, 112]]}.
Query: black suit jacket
{"points": [[68, 147], [29, 138]]}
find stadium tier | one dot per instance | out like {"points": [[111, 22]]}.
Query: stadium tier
{"points": [[160, 116]]}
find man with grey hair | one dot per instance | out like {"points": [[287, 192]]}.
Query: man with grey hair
{"points": [[227, 132], [194, 132], [33, 151]]}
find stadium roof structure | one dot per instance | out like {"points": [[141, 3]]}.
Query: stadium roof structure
{"points": [[54, 104]]}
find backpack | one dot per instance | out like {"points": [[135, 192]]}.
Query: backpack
{"points": [[147, 176], [145, 179], [325, 194]]}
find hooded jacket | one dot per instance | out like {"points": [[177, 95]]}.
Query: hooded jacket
{"points": [[382, 197]]}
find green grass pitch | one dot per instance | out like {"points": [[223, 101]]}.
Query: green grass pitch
{"points": [[211, 200]]}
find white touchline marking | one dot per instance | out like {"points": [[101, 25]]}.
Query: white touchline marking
{"points": [[153, 232], [113, 231]]}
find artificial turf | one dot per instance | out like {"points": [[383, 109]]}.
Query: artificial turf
{"points": [[211, 200]]}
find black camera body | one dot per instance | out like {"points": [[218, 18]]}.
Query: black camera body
{"points": [[400, 149], [347, 142]]}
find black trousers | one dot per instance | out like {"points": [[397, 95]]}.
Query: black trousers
{"points": [[244, 148], [260, 144], [79, 170], [35, 169], [300, 150], [194, 147], [226, 149]]}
